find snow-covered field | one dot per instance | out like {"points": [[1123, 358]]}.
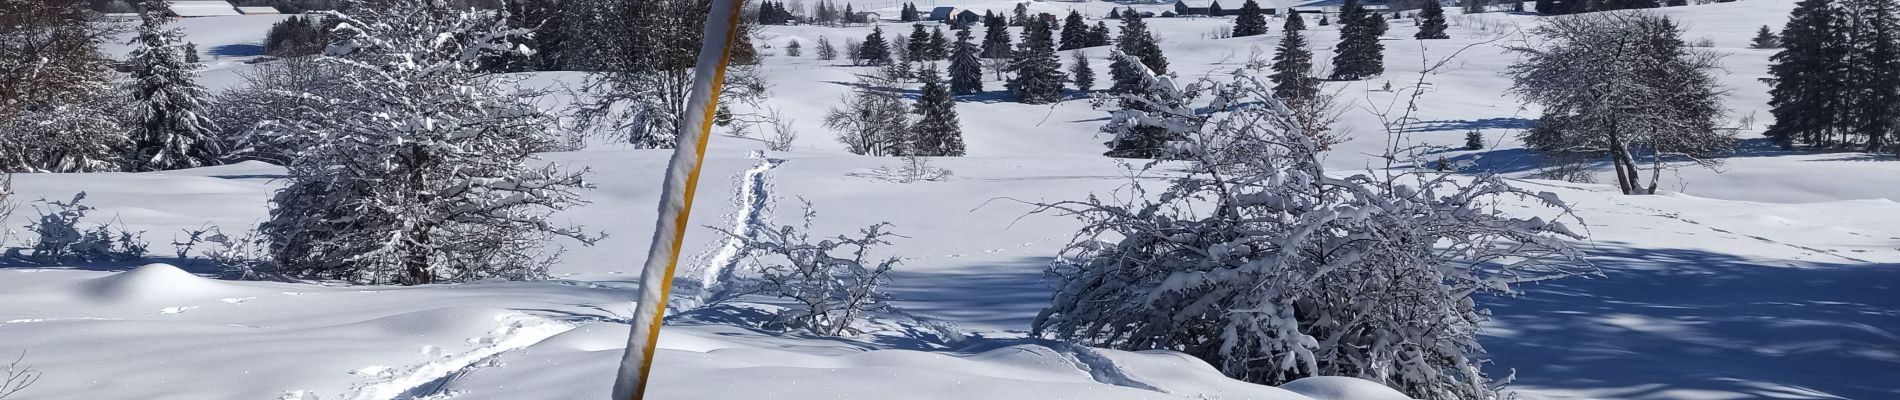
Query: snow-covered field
{"points": [[1773, 278]]}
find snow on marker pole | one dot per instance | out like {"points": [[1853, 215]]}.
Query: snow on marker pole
{"points": [[676, 199]]}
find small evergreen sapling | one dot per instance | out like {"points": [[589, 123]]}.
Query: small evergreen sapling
{"points": [[1765, 39]]}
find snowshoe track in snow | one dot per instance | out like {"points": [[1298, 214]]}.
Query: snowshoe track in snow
{"points": [[517, 331]]}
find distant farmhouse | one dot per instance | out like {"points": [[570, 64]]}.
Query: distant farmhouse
{"points": [[1199, 7], [946, 13]]}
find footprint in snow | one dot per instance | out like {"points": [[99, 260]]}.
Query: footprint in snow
{"points": [[235, 300], [176, 310]]}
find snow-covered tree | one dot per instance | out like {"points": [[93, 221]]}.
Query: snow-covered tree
{"points": [[170, 129], [794, 49], [426, 174], [1250, 20], [1037, 69], [1432, 22], [938, 132], [832, 282], [1080, 71], [1267, 267], [60, 107], [1359, 55], [1622, 85], [1137, 41], [1137, 98]]}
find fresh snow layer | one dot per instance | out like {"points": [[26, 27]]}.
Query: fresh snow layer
{"points": [[1771, 278]]}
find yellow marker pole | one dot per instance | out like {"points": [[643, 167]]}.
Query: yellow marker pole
{"points": [[676, 200]]}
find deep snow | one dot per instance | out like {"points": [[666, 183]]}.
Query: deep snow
{"points": [[1771, 279]]}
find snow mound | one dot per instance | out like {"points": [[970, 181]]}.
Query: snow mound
{"points": [[1342, 388], [153, 283]]}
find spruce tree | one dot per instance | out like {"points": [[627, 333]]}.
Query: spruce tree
{"points": [[996, 39], [1079, 69], [171, 130], [1359, 54], [1137, 41], [1293, 21], [1098, 35], [1765, 39], [918, 47], [1546, 7], [908, 13], [938, 133], [1878, 61], [875, 51], [1250, 21], [1433, 24], [1020, 15], [1322, 20], [966, 68], [1132, 84], [1075, 32], [1292, 76], [938, 48], [1038, 70], [1806, 77]]}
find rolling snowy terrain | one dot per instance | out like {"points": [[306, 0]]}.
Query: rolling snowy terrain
{"points": [[1773, 277]]}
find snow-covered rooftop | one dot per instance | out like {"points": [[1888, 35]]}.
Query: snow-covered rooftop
{"points": [[258, 10]]}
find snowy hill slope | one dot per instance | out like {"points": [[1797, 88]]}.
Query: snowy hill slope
{"points": [[1717, 292]]}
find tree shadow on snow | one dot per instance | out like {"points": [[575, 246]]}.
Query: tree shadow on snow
{"points": [[1463, 125], [236, 50], [1694, 320]]}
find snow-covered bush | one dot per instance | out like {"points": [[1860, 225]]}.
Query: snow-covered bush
{"points": [[913, 169], [59, 236], [245, 257], [1260, 263], [833, 281], [423, 174]]}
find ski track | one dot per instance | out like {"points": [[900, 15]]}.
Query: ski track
{"points": [[1101, 368], [517, 331]]}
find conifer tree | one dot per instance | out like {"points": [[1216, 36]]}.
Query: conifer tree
{"points": [[794, 49], [938, 47], [1020, 15], [1806, 75], [1137, 41], [1075, 32], [1079, 69], [908, 14], [1765, 39], [1292, 76], [1098, 35], [966, 68], [1038, 70], [171, 130], [1359, 55], [1293, 21], [1322, 20], [1878, 71], [1250, 21], [1433, 24], [996, 38], [875, 51], [1547, 7], [938, 133], [918, 47], [1138, 91]]}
